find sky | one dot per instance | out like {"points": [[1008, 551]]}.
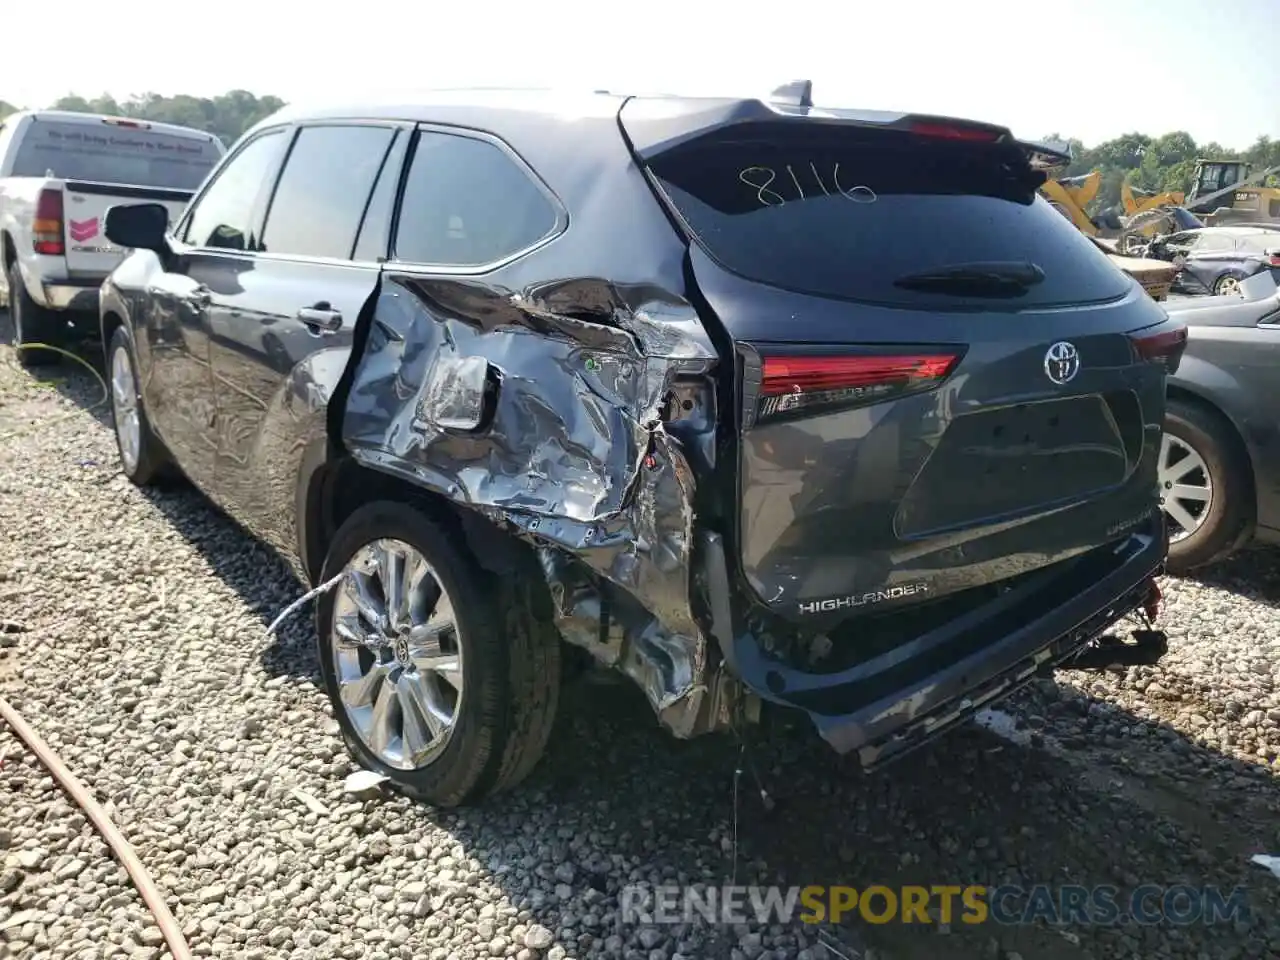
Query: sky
{"points": [[1091, 69]]}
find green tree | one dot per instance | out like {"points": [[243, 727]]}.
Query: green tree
{"points": [[227, 115]]}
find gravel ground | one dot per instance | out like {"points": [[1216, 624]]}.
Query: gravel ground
{"points": [[136, 649]]}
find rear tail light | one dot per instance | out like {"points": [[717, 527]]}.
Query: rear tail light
{"points": [[46, 230], [1164, 348], [792, 384], [1273, 260]]}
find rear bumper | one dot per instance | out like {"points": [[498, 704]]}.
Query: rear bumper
{"points": [[889, 704], [78, 295]]}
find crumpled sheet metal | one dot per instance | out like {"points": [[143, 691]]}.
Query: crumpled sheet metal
{"points": [[543, 410]]}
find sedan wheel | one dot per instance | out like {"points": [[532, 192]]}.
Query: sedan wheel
{"points": [[398, 654], [1205, 485], [1186, 489], [1227, 287]]}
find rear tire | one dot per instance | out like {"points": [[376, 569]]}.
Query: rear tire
{"points": [[143, 458], [1223, 522], [499, 693], [32, 325]]}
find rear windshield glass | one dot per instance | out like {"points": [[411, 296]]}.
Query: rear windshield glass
{"points": [[104, 153], [854, 214]]}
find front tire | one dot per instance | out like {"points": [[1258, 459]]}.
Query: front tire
{"points": [[441, 677], [1227, 285], [32, 325], [142, 457], [1204, 487]]}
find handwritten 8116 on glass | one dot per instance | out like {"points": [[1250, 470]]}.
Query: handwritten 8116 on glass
{"points": [[772, 188]]}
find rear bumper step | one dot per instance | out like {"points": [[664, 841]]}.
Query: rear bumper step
{"points": [[892, 703]]}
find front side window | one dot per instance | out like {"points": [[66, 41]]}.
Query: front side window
{"points": [[324, 189], [467, 203], [223, 216]]}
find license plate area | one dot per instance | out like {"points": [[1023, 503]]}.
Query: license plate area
{"points": [[1015, 458]]}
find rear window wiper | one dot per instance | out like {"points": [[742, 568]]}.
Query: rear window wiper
{"points": [[994, 278]]}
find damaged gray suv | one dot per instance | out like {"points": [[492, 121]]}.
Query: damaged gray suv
{"points": [[767, 406]]}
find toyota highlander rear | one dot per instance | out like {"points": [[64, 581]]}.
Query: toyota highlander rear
{"points": [[947, 407]]}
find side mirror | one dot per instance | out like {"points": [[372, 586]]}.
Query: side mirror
{"points": [[141, 226]]}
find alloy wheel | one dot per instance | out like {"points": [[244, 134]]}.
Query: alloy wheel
{"points": [[1228, 287], [397, 654], [124, 408], [1186, 489]]}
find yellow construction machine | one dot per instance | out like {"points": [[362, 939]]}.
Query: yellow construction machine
{"points": [[1071, 197], [1227, 191]]}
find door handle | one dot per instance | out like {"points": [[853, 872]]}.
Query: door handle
{"points": [[321, 319]]}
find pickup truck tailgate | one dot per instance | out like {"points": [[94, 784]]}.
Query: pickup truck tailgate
{"points": [[84, 211]]}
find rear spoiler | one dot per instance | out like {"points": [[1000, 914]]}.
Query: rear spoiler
{"points": [[656, 125]]}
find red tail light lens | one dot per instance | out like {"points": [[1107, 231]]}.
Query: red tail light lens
{"points": [[790, 384], [1274, 260], [953, 131], [1165, 347], [46, 229]]}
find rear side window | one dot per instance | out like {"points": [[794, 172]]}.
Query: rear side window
{"points": [[324, 189], [107, 153], [851, 214], [223, 214], [467, 203]]}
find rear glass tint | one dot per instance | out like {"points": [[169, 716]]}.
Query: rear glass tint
{"points": [[104, 153], [846, 214]]}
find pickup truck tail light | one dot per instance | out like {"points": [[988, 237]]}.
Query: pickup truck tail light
{"points": [[1164, 348], [46, 231], [792, 384]]}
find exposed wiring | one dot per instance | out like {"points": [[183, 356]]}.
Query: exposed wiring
{"points": [[43, 424], [110, 833]]}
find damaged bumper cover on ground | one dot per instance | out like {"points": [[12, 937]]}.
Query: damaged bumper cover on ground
{"points": [[547, 411]]}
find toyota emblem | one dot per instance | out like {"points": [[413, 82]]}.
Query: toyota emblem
{"points": [[1062, 362]]}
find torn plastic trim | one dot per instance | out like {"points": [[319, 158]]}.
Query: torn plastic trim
{"points": [[547, 411]]}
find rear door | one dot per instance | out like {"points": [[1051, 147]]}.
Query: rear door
{"points": [[936, 382], [311, 275]]}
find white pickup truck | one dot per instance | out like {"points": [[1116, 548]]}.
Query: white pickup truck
{"points": [[59, 172]]}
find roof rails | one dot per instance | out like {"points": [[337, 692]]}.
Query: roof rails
{"points": [[797, 93]]}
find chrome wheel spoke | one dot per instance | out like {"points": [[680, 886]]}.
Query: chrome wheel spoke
{"points": [[391, 564], [421, 723], [384, 722], [1180, 515], [1183, 491], [358, 589], [348, 629], [397, 654], [364, 691], [1186, 488]]}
